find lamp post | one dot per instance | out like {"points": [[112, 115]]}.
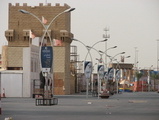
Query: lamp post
{"points": [[46, 27], [88, 52], [158, 55], [117, 80], [106, 55], [46, 71], [111, 59], [90, 70], [94, 45], [88, 48], [99, 76], [100, 70], [105, 52]]}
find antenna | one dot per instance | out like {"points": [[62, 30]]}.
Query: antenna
{"points": [[106, 29]]}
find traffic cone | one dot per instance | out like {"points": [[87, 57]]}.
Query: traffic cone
{"points": [[3, 94]]}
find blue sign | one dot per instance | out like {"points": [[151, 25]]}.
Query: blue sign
{"points": [[46, 57]]}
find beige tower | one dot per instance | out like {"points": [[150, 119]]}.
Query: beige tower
{"points": [[22, 26]]}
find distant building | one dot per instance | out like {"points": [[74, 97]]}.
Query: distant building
{"points": [[24, 36]]}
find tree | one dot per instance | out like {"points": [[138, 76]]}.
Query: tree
{"points": [[154, 76]]}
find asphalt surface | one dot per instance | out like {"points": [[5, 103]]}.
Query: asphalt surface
{"points": [[125, 106]]}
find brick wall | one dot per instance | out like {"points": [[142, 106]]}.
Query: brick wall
{"points": [[15, 56], [18, 38], [19, 21]]}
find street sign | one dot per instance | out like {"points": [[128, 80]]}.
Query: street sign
{"points": [[46, 58]]}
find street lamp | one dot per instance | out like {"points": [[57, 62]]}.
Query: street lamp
{"points": [[46, 27], [100, 70], [111, 59], [88, 52], [94, 45], [87, 79], [106, 55], [117, 80]]}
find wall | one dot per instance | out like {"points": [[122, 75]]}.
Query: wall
{"points": [[12, 83], [18, 22], [31, 69], [27, 58]]}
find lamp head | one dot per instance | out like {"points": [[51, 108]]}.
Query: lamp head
{"points": [[88, 47], [69, 10], [109, 56], [74, 39], [72, 9], [105, 40], [123, 53], [24, 11], [101, 51], [128, 56]]}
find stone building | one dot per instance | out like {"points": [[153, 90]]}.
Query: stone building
{"points": [[21, 54]]}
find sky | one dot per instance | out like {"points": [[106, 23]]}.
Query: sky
{"points": [[131, 24]]}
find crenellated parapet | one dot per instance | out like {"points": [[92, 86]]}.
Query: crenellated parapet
{"points": [[21, 26], [40, 5]]}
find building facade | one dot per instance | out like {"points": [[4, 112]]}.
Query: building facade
{"points": [[21, 54]]}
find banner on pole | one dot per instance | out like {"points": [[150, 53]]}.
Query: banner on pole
{"points": [[110, 73], [105, 75], [46, 58], [101, 71], [118, 74], [88, 69]]}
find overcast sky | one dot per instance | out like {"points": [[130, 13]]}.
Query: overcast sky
{"points": [[131, 23]]}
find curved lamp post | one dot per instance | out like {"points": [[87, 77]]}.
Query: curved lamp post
{"points": [[94, 45], [118, 64], [46, 27], [117, 81], [106, 67], [87, 47], [111, 59], [102, 71], [105, 52], [88, 52]]}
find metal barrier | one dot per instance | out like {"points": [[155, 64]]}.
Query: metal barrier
{"points": [[46, 101]]}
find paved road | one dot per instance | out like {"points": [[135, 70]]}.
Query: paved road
{"points": [[126, 106]]}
